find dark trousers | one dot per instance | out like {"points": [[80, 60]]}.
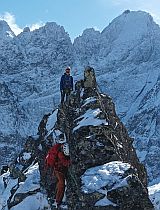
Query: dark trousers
{"points": [[60, 186], [64, 93]]}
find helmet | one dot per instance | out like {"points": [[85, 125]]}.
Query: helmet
{"points": [[66, 149], [61, 138], [68, 69]]}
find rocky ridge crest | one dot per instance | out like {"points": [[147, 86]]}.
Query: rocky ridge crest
{"points": [[105, 171]]}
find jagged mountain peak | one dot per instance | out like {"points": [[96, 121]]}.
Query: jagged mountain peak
{"points": [[130, 17], [89, 31], [89, 34], [53, 25], [141, 15], [130, 25], [26, 29], [5, 30], [53, 28], [49, 30]]}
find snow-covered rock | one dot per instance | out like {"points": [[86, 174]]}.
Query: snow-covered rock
{"points": [[154, 194]]}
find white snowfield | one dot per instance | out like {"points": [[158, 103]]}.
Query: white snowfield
{"points": [[110, 176]]}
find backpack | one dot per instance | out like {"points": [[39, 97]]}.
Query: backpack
{"points": [[67, 81], [52, 156]]}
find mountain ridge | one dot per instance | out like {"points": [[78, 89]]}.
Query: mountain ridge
{"points": [[105, 172]]}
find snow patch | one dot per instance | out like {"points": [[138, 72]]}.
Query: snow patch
{"points": [[26, 155], [52, 120], [89, 100], [6, 193], [104, 202], [89, 118], [105, 175], [154, 194], [32, 182], [34, 202], [141, 155]]}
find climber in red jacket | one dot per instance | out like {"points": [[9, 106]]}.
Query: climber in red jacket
{"points": [[60, 171], [58, 158]]}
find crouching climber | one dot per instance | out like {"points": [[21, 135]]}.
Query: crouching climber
{"points": [[58, 158], [66, 85]]}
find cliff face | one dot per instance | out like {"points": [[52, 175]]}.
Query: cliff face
{"points": [[105, 171]]}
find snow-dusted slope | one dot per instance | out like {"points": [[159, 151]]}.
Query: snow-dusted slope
{"points": [[30, 68]]}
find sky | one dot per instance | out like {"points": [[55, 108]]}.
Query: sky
{"points": [[74, 15]]}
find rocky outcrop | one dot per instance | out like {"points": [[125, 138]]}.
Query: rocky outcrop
{"points": [[98, 137], [20, 186]]}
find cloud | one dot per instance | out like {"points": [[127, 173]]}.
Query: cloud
{"points": [[96, 28], [36, 25], [156, 17], [10, 19]]}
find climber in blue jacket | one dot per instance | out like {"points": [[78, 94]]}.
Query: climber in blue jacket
{"points": [[66, 85]]}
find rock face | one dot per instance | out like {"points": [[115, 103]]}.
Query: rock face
{"points": [[105, 171]]}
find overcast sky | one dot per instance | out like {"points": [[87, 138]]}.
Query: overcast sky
{"points": [[74, 15]]}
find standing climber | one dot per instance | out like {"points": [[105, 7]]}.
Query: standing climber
{"points": [[66, 85], [58, 158]]}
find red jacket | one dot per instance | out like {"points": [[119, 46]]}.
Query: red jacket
{"points": [[62, 163]]}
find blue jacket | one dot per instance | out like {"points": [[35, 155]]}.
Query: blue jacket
{"points": [[66, 82]]}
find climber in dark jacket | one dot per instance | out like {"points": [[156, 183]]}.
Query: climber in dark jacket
{"points": [[66, 85]]}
